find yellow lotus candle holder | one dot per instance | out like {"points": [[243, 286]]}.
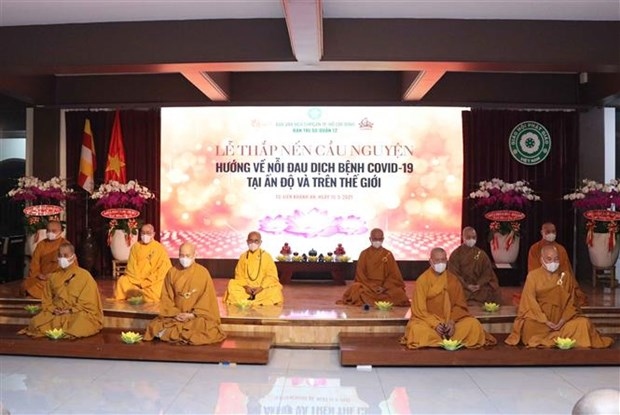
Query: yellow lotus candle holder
{"points": [[491, 307], [244, 304], [131, 337], [32, 308], [55, 334], [280, 258], [565, 343], [137, 300], [384, 305], [450, 344]]}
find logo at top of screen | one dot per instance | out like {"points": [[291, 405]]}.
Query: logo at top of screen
{"points": [[365, 124], [529, 142]]}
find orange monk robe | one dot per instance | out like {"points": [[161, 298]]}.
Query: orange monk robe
{"points": [[533, 262], [545, 300], [472, 266], [439, 299], [255, 269], [187, 290], [376, 268], [74, 289], [44, 261], [146, 269]]}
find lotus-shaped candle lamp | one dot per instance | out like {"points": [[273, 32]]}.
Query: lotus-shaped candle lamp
{"points": [[344, 258], [280, 258], [131, 337], [313, 259], [565, 343], [383, 305], [32, 308], [450, 344], [244, 304], [329, 258], [137, 300], [490, 307], [55, 334], [297, 258]]}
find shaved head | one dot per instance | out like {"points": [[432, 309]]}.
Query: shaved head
{"points": [[469, 233], [187, 250]]}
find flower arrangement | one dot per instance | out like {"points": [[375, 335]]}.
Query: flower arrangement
{"points": [[595, 195], [128, 226], [498, 194], [122, 195], [36, 191], [35, 223]]}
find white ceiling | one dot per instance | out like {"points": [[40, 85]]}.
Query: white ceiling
{"points": [[35, 12]]}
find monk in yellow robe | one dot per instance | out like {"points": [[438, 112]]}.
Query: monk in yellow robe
{"points": [[439, 310], [547, 309], [70, 300], [44, 260], [548, 233], [377, 277], [188, 309], [146, 269], [472, 266], [256, 277]]}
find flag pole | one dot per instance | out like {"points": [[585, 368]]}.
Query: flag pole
{"points": [[86, 211]]}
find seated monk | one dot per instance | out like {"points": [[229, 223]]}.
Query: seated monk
{"points": [[147, 266], [44, 260], [547, 308], [472, 266], [188, 310], [377, 277], [70, 300], [256, 277], [439, 310], [548, 235]]}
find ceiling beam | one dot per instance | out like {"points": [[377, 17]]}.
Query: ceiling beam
{"points": [[417, 84], [304, 20], [215, 85]]}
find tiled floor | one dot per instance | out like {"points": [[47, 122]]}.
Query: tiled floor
{"points": [[309, 382]]}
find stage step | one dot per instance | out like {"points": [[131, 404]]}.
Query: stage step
{"points": [[385, 350], [236, 348]]}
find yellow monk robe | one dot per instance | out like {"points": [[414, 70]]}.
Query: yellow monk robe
{"points": [[255, 269], [376, 268], [545, 300], [533, 262], [44, 261], [146, 269], [187, 290], [437, 300], [472, 266], [74, 289]]}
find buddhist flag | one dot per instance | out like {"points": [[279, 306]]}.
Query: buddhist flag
{"points": [[88, 162], [115, 167]]}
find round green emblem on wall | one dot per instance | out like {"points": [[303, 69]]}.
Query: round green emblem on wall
{"points": [[529, 143]]}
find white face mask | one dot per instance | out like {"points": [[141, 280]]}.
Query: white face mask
{"points": [[253, 246], [65, 262], [470, 242], [377, 244], [145, 238], [549, 237], [186, 261], [51, 236], [552, 266], [440, 267]]}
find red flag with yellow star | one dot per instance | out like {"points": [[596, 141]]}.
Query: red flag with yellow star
{"points": [[115, 166]]}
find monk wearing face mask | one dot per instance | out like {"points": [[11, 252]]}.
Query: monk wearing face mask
{"points": [[146, 269], [256, 277], [547, 309], [548, 235]]}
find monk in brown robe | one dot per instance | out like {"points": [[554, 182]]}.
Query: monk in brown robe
{"points": [[547, 308], [377, 277], [70, 300], [548, 234], [439, 310], [188, 311], [44, 260], [473, 268]]}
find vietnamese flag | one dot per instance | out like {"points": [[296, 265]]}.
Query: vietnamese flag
{"points": [[115, 166], [88, 163]]}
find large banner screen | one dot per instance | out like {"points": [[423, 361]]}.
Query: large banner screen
{"points": [[312, 177]]}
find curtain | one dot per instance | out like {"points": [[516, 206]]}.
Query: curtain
{"points": [[486, 155], [142, 142]]}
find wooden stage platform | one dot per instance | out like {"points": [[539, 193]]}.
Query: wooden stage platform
{"points": [[310, 318]]}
